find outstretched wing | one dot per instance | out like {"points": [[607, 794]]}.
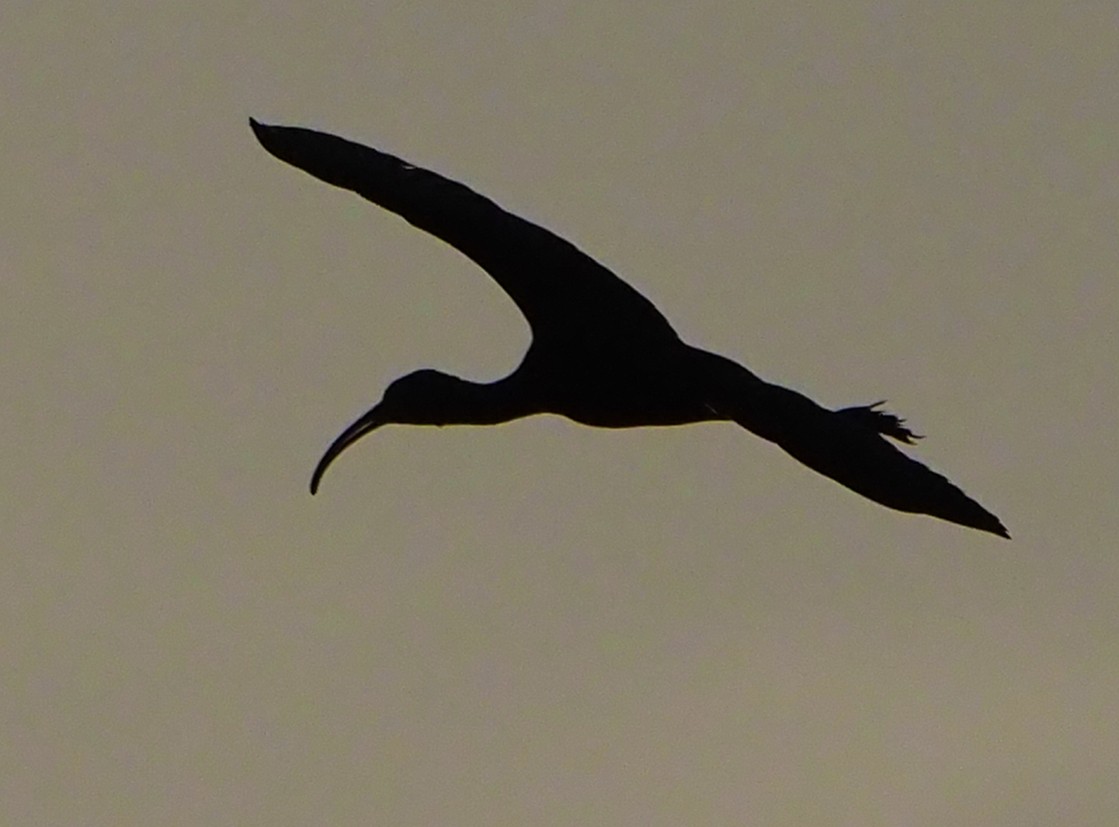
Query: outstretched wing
{"points": [[849, 448], [563, 293]]}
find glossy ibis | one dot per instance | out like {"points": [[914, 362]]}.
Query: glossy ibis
{"points": [[601, 353]]}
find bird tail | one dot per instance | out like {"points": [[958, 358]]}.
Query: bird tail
{"points": [[848, 446], [882, 422]]}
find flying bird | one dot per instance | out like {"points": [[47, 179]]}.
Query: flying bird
{"points": [[601, 353]]}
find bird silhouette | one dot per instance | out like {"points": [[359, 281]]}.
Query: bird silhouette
{"points": [[601, 353]]}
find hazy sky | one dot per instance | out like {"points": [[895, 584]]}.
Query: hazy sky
{"points": [[542, 623]]}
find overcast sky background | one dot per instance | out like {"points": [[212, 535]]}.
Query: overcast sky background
{"points": [[541, 623]]}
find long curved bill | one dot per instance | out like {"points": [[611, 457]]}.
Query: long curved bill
{"points": [[370, 421]]}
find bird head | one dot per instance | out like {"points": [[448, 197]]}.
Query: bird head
{"points": [[416, 399], [421, 398]]}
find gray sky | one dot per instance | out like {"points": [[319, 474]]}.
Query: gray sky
{"points": [[541, 623]]}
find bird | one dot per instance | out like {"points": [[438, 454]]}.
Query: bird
{"points": [[601, 353]]}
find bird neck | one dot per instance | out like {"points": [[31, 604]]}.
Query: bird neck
{"points": [[461, 402]]}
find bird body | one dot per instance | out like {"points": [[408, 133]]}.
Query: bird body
{"points": [[601, 353]]}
